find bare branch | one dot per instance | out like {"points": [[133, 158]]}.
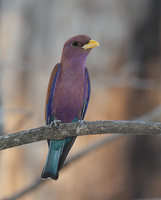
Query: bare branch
{"points": [[75, 129]]}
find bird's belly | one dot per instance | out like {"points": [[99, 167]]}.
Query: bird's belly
{"points": [[68, 103]]}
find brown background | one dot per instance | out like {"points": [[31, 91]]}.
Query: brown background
{"points": [[125, 77]]}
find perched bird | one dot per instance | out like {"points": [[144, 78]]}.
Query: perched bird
{"points": [[67, 97]]}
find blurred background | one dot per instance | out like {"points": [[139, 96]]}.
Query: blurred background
{"points": [[125, 73]]}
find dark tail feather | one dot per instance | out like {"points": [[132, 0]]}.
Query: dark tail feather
{"points": [[58, 151], [54, 154], [68, 145]]}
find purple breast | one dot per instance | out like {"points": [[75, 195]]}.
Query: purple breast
{"points": [[68, 98]]}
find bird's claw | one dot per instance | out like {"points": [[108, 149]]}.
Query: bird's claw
{"points": [[81, 122], [56, 123]]}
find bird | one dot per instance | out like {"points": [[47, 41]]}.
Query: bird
{"points": [[67, 98]]}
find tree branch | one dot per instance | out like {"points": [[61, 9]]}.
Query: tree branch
{"points": [[75, 129]]}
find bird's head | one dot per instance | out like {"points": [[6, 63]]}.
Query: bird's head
{"points": [[78, 47]]}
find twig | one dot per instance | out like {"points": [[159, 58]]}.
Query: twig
{"points": [[75, 129], [28, 189]]}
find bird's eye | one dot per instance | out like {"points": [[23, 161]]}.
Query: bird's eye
{"points": [[75, 44]]}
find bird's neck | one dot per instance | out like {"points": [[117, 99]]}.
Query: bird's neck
{"points": [[74, 63]]}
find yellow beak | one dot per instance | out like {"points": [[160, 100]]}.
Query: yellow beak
{"points": [[91, 44]]}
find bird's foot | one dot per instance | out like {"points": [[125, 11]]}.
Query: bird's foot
{"points": [[56, 123], [82, 122]]}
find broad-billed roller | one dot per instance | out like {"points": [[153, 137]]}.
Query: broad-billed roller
{"points": [[67, 97]]}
